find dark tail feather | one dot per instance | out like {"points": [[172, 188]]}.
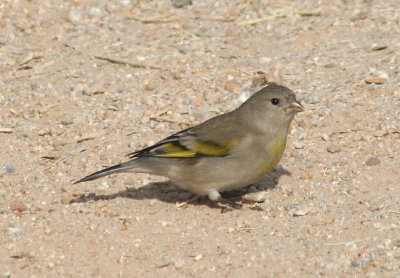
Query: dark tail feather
{"points": [[119, 168]]}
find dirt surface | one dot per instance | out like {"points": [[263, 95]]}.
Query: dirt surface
{"points": [[85, 82]]}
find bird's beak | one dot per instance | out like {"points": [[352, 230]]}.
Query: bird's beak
{"points": [[296, 106]]}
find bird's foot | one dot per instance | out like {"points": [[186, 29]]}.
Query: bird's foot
{"points": [[185, 204], [225, 204], [228, 205]]}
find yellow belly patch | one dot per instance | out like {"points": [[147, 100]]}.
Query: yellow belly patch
{"points": [[276, 151]]}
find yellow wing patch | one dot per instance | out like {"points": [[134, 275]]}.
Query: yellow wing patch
{"points": [[172, 150], [212, 149], [199, 148], [177, 147]]}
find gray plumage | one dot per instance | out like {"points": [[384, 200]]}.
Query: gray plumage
{"points": [[226, 152]]}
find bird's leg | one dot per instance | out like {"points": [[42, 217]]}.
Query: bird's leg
{"points": [[214, 196], [185, 204], [225, 204]]}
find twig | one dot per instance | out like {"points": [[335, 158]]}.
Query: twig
{"points": [[6, 130], [54, 163], [133, 65], [309, 13], [31, 74], [34, 58], [163, 265], [14, 112], [279, 14], [219, 19], [249, 228], [343, 243], [161, 119], [185, 204], [13, 51], [258, 20], [180, 49], [85, 139], [198, 35], [154, 19]]}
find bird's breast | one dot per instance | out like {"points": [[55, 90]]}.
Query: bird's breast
{"points": [[274, 154]]}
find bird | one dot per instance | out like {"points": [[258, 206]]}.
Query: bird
{"points": [[227, 152]]}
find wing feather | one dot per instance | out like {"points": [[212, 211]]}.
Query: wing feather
{"points": [[215, 137], [183, 145]]}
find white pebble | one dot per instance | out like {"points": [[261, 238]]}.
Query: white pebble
{"points": [[75, 16], [243, 96], [95, 12]]}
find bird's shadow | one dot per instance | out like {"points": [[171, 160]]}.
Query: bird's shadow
{"points": [[170, 193]]}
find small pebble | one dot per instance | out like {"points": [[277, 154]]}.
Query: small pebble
{"points": [[74, 16], [17, 206], [290, 207], [152, 202], [177, 76], [6, 130], [67, 120], [298, 144], [11, 231], [372, 161], [65, 199], [333, 148], [181, 3], [198, 257], [122, 259], [265, 60], [360, 15], [44, 132], [375, 80], [300, 212], [179, 264], [273, 77], [357, 137], [359, 262], [105, 185], [306, 175], [9, 168], [125, 2], [378, 47], [311, 99], [243, 96], [255, 197], [95, 12], [380, 133], [382, 74], [164, 223], [113, 106], [258, 81], [325, 136], [265, 206], [232, 86]]}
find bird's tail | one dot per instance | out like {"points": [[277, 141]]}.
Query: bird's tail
{"points": [[119, 168]]}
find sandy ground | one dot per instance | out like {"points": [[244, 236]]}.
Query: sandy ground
{"points": [[85, 82]]}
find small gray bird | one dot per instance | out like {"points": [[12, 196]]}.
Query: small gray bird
{"points": [[227, 152]]}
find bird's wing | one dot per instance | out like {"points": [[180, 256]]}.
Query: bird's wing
{"points": [[195, 142]]}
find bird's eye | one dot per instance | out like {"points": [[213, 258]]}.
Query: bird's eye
{"points": [[275, 101]]}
